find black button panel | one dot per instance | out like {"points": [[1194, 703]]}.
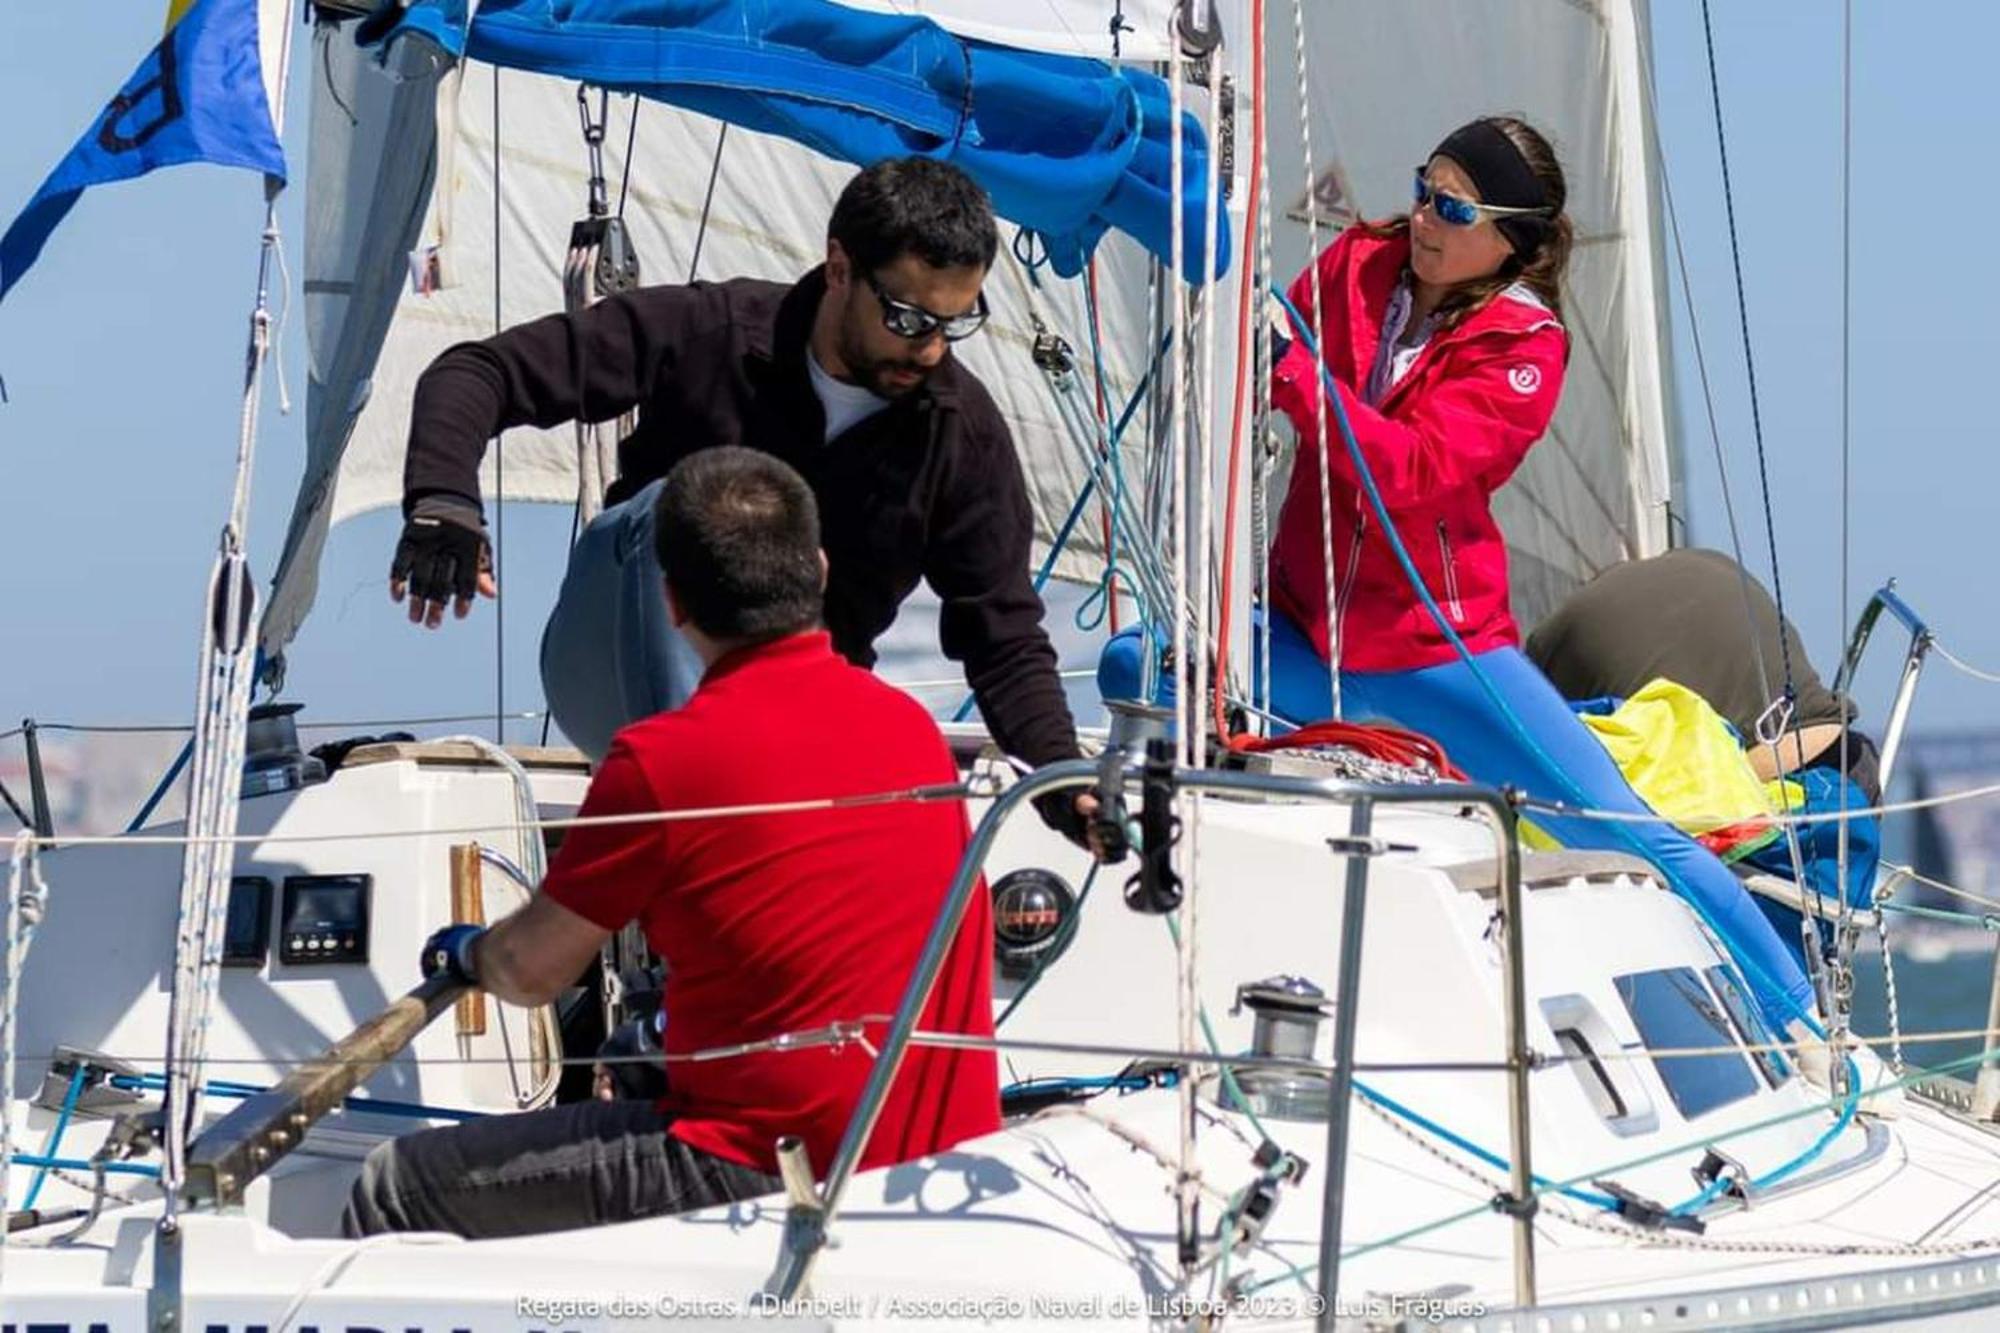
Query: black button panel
{"points": [[325, 919]]}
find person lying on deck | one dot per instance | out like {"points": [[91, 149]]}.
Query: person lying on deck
{"points": [[769, 923], [1444, 342], [1699, 619]]}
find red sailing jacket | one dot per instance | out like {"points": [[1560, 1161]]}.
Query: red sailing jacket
{"points": [[1442, 440]]}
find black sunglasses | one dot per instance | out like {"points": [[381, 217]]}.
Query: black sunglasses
{"points": [[914, 322]]}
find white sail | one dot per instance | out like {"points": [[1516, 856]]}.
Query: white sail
{"points": [[1387, 81], [766, 218], [1592, 493]]}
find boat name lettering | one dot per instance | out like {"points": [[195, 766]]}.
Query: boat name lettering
{"points": [[59, 1326]]}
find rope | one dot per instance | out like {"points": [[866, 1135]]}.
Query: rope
{"points": [[1246, 358], [1102, 402], [1379, 741], [1187, 1198], [227, 669], [950, 792], [49, 1149], [1137, 1140], [1889, 991], [631, 138], [1898, 873], [1990, 677], [1749, 360], [708, 196], [1811, 946], [1484, 1209], [1844, 936], [1855, 812], [962, 791], [499, 459], [1263, 454], [1206, 1056], [1987, 920], [1321, 459], [182, 728]]}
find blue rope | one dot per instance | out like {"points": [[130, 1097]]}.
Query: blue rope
{"points": [[166, 784], [1118, 1082], [1493, 694], [1394, 1107], [1770, 1178], [181, 762], [366, 1105], [56, 1135], [78, 1164]]}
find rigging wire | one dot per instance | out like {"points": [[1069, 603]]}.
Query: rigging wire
{"points": [[707, 201], [1105, 532], [1779, 718], [1749, 358], [631, 138], [1843, 975], [499, 466], [1322, 460], [1187, 1199]]}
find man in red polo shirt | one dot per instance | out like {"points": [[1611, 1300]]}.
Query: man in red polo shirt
{"points": [[768, 923]]}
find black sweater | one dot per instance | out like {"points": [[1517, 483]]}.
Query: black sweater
{"points": [[927, 488]]}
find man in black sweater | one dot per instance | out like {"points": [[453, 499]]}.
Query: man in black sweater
{"points": [[848, 376]]}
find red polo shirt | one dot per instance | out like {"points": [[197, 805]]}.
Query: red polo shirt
{"points": [[776, 923]]}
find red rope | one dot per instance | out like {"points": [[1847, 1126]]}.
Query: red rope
{"points": [[1394, 745], [1244, 355]]}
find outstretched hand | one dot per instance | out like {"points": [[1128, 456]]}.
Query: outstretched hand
{"points": [[443, 558]]}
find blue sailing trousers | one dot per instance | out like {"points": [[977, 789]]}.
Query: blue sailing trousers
{"points": [[610, 652], [1563, 763]]}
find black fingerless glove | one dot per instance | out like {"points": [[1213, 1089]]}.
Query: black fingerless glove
{"points": [[1058, 810], [442, 549]]}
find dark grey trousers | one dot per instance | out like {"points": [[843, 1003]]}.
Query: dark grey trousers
{"points": [[551, 1170]]}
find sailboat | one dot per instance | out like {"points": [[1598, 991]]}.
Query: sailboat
{"points": [[1379, 1069]]}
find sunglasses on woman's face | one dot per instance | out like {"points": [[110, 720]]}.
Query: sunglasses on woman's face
{"points": [[1457, 212], [914, 322]]}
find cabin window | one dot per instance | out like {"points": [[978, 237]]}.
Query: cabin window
{"points": [[1749, 1024], [1674, 1011]]}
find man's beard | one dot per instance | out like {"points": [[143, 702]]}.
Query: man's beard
{"points": [[870, 372]]}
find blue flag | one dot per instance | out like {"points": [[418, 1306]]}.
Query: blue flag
{"points": [[198, 97]]}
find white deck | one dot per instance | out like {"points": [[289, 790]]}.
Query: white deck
{"points": [[1059, 1220]]}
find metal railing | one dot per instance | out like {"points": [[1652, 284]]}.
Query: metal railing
{"points": [[1921, 639], [812, 1213]]}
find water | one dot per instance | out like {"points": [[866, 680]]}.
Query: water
{"points": [[1942, 982]]}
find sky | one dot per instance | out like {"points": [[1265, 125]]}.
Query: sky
{"points": [[121, 354]]}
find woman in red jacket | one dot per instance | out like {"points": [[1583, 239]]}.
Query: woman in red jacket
{"points": [[1443, 337]]}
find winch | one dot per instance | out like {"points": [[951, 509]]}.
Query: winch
{"points": [[1287, 1011]]}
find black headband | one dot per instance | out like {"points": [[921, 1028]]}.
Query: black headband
{"points": [[1502, 177]]}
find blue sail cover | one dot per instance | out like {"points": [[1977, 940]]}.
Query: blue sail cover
{"points": [[1067, 146]]}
